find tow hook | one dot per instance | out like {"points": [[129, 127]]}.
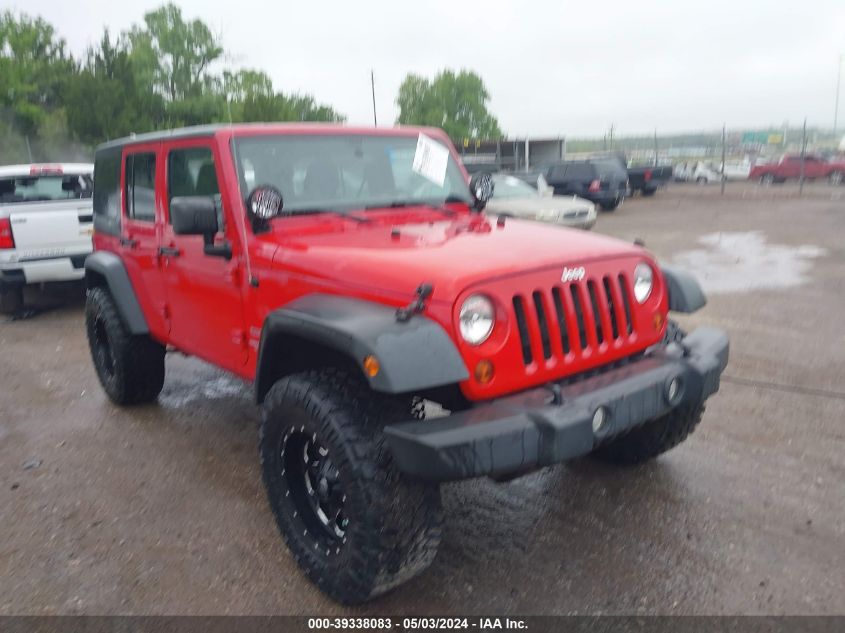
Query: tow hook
{"points": [[416, 306]]}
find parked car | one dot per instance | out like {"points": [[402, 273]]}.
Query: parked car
{"points": [[737, 170], [351, 275], [789, 168], [647, 180], [603, 181], [514, 197], [697, 171], [45, 226]]}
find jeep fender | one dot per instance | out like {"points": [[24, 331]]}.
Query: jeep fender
{"points": [[685, 295], [414, 355], [106, 269]]}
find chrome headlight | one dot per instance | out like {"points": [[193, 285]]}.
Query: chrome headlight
{"points": [[643, 281], [476, 319]]}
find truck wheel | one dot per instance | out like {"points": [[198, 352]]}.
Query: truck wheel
{"points": [[648, 192], [130, 368], [767, 179], [609, 206], [651, 439], [11, 300], [354, 525], [836, 178]]}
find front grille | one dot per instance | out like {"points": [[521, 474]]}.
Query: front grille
{"points": [[570, 319]]}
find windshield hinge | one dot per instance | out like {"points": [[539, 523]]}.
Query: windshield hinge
{"points": [[417, 305]]}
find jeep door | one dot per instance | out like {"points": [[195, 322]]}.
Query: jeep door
{"points": [[204, 291], [139, 237]]}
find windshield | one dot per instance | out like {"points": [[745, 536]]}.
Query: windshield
{"points": [[512, 187], [45, 188], [350, 171]]}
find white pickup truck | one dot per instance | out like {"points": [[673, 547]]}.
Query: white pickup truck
{"points": [[45, 226]]}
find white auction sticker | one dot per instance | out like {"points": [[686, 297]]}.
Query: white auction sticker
{"points": [[431, 160]]}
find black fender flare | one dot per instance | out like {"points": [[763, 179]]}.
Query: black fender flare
{"points": [[414, 355], [103, 265], [685, 295]]}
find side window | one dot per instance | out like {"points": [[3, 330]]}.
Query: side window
{"points": [[191, 172], [140, 187], [107, 191]]}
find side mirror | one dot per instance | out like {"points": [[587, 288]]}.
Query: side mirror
{"points": [[194, 215], [197, 215], [481, 187]]}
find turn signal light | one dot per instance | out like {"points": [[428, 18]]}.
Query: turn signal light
{"points": [[659, 319], [484, 371], [371, 366], [6, 239]]}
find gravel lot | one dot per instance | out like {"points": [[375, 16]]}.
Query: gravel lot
{"points": [[160, 509]]}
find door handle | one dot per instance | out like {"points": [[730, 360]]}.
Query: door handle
{"points": [[128, 242], [169, 251]]}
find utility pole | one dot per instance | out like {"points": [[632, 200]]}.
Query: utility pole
{"points": [[838, 84], [373, 86], [723, 158], [803, 154], [655, 147], [611, 137]]}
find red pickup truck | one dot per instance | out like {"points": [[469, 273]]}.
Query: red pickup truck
{"points": [[789, 167]]}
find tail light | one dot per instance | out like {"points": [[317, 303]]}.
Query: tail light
{"points": [[6, 239], [46, 170], [594, 186], [647, 175]]}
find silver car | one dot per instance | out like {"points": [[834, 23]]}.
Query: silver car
{"points": [[514, 197]]}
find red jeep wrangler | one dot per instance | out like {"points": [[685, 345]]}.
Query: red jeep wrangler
{"points": [[352, 276]]}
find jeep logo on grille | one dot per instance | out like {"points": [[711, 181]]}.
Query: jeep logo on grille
{"points": [[573, 274]]}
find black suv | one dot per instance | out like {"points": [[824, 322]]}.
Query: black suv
{"points": [[601, 180]]}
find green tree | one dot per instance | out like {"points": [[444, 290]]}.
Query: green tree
{"points": [[174, 55], [105, 101], [457, 103], [33, 69]]}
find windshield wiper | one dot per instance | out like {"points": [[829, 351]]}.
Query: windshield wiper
{"points": [[344, 214], [398, 204]]}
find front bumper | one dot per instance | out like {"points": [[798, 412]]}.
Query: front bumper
{"points": [[554, 423]]}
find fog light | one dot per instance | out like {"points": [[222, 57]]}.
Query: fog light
{"points": [[484, 371], [371, 366], [674, 390], [600, 418]]}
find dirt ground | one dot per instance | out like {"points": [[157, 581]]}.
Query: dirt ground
{"points": [[160, 509]]}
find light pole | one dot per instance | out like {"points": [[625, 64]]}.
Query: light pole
{"points": [[838, 84]]}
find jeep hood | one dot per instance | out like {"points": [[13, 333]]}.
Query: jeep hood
{"points": [[390, 258]]}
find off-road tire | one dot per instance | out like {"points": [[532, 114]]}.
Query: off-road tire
{"points": [[393, 528], [767, 179], [11, 300], [651, 439], [657, 436], [130, 368]]}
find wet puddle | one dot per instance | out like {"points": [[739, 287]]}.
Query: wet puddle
{"points": [[219, 388], [740, 261]]}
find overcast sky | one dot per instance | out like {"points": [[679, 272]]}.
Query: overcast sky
{"points": [[551, 67]]}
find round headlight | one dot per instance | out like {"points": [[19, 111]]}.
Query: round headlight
{"points": [[643, 282], [476, 317]]}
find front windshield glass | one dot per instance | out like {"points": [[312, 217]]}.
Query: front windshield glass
{"points": [[512, 187], [343, 172]]}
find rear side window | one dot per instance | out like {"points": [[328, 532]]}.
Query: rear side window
{"points": [[579, 171], [107, 191], [140, 187]]}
